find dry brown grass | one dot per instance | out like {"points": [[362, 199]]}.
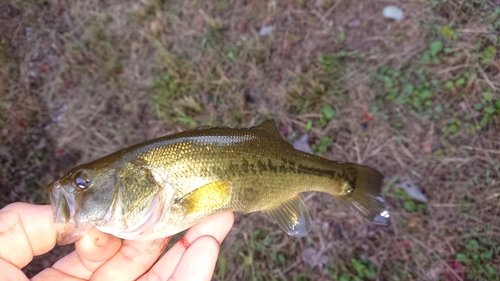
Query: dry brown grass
{"points": [[79, 80]]}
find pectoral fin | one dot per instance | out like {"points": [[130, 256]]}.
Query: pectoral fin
{"points": [[207, 198], [292, 216]]}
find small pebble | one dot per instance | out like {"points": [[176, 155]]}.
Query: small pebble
{"points": [[393, 12], [354, 23], [266, 30]]}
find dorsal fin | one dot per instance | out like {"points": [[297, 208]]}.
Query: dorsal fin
{"points": [[204, 127], [209, 127], [269, 126]]}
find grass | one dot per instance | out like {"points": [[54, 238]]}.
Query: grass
{"points": [[418, 99]]}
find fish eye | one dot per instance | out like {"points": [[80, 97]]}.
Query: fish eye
{"points": [[82, 180]]}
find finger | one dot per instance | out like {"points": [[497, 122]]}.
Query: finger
{"points": [[216, 226], [52, 274], [26, 230], [132, 260], [92, 250], [204, 252], [10, 272]]}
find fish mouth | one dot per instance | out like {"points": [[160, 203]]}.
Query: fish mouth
{"points": [[63, 204], [63, 207]]}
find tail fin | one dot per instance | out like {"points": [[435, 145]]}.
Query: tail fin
{"points": [[366, 196]]}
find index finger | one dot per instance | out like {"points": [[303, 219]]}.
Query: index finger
{"points": [[26, 230]]}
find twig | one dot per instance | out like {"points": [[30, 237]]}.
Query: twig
{"points": [[437, 256], [302, 124], [309, 115], [456, 67], [356, 148], [455, 159], [367, 148], [309, 197], [446, 205], [486, 78], [494, 151], [320, 17], [493, 196], [472, 31], [324, 17], [398, 159], [330, 10]]}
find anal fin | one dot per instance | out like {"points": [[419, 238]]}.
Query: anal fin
{"points": [[206, 199], [292, 216]]}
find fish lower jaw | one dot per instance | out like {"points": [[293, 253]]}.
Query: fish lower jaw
{"points": [[120, 230], [68, 233]]}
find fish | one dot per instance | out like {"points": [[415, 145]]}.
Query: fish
{"points": [[164, 186]]}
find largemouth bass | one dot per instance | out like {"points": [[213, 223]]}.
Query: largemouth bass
{"points": [[163, 186]]}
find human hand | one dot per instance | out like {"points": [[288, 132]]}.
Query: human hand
{"points": [[28, 230]]}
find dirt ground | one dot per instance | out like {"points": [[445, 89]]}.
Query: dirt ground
{"points": [[417, 98]]}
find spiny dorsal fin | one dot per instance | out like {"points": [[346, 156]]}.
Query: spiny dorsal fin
{"points": [[204, 127], [210, 127], [269, 126], [292, 216]]}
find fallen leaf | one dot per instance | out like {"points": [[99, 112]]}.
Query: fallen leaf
{"points": [[427, 146], [284, 131], [354, 23], [474, 86], [155, 27], [433, 273], [458, 269], [23, 123], [400, 248], [405, 244], [366, 117], [302, 144], [463, 106], [211, 107], [266, 30], [242, 27], [443, 175], [414, 222], [413, 190], [312, 257]]}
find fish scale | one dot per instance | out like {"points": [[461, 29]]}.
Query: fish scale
{"points": [[164, 186]]}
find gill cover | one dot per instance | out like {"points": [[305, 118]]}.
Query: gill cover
{"points": [[138, 202]]}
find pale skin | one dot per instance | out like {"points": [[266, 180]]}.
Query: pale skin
{"points": [[26, 230]]}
